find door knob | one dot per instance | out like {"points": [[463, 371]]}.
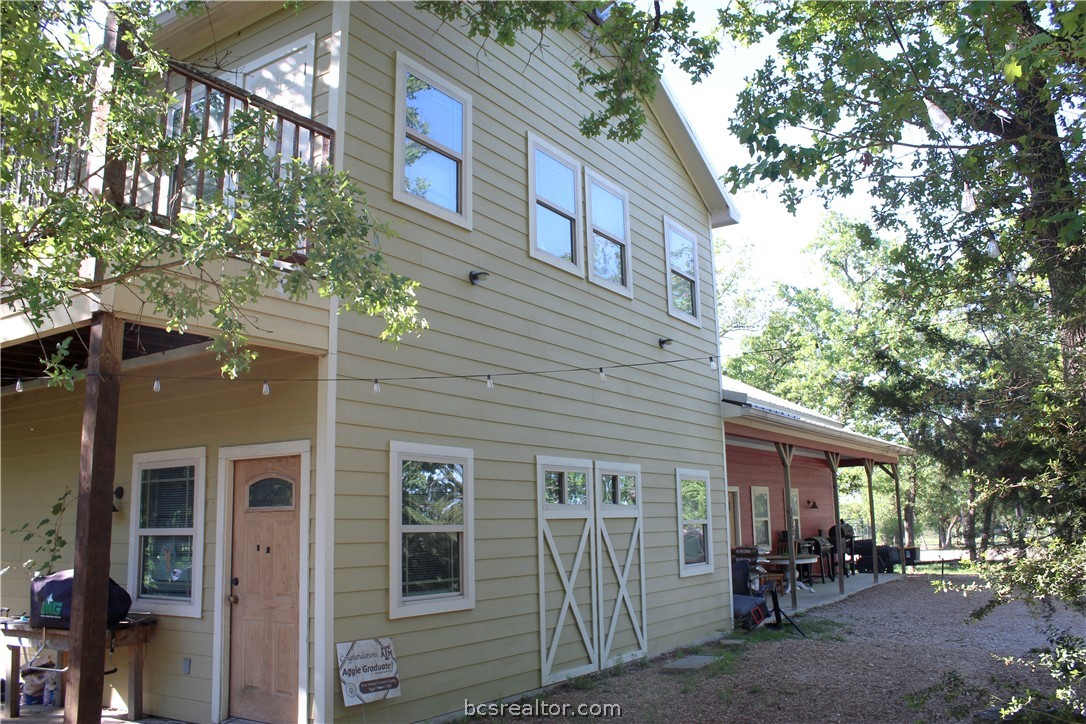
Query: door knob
{"points": [[232, 598]]}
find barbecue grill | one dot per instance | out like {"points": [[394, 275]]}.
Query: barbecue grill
{"points": [[823, 548]]}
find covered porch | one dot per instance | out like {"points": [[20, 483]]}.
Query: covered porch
{"points": [[782, 462]]}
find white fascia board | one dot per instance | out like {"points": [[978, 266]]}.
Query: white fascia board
{"points": [[722, 210]]}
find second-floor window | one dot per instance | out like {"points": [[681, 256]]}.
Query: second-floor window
{"points": [[608, 235], [433, 143], [554, 192], [682, 271]]}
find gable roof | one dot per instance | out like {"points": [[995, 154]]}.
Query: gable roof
{"points": [[755, 408], [182, 35], [684, 140]]}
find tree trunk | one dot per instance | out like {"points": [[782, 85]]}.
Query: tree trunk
{"points": [[986, 525], [969, 521]]}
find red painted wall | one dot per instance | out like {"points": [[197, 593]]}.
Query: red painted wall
{"points": [[811, 479]]}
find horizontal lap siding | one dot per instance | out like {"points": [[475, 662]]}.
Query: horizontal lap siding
{"points": [[40, 453], [811, 479], [528, 316]]}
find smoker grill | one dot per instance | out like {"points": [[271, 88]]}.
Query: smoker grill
{"points": [[823, 548]]}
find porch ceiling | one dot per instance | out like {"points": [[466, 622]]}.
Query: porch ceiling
{"points": [[24, 360]]}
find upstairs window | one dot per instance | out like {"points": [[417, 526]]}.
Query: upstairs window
{"points": [[608, 235], [554, 192], [682, 272], [432, 163]]}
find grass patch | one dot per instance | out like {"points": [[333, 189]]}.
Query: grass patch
{"points": [[725, 662]]}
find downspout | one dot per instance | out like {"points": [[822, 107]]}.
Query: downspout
{"points": [[324, 663]]}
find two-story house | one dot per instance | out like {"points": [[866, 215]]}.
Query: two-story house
{"points": [[533, 489]]}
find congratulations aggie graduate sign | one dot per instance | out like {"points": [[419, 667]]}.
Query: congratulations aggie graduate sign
{"points": [[368, 671]]}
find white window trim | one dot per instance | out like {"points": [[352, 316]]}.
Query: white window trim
{"points": [[578, 265], [695, 319], [695, 569], [463, 217], [545, 464], [756, 489], [735, 516], [306, 42], [607, 508], [795, 514], [399, 607], [626, 289], [197, 457]]}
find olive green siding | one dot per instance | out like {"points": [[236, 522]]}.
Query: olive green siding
{"points": [[40, 456]]}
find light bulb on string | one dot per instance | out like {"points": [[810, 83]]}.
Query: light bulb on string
{"points": [[18, 385], [266, 389], [603, 375], [969, 203], [489, 382], [157, 386], [712, 362], [993, 248], [376, 386]]}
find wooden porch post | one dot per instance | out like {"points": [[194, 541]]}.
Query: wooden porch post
{"points": [[869, 468], [94, 521], [785, 450], [892, 471], [833, 459]]}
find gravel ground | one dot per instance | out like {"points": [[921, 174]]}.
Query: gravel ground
{"points": [[898, 652]]}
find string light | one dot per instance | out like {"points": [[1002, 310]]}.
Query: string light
{"points": [[489, 382], [603, 375], [712, 362], [18, 385], [157, 386], [376, 386], [266, 386]]}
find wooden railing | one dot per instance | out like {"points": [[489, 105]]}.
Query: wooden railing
{"points": [[207, 106], [164, 185]]}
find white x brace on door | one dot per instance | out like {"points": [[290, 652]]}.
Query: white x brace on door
{"points": [[591, 566]]}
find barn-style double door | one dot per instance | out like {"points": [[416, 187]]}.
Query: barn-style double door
{"points": [[591, 566]]}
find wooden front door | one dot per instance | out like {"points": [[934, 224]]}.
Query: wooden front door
{"points": [[264, 590]]}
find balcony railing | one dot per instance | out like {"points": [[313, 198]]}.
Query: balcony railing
{"points": [[164, 184]]}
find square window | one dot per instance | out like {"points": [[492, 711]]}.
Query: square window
{"points": [[432, 153], [165, 559], [432, 530]]}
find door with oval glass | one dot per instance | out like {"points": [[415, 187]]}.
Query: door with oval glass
{"points": [[264, 590]]}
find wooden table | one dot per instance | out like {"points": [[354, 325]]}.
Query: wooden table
{"points": [[134, 634]]}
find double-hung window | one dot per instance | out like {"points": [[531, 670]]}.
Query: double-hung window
{"points": [[608, 235], [165, 565], [554, 214], [432, 157], [695, 522], [682, 271], [432, 567], [760, 519]]}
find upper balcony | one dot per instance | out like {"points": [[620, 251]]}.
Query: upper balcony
{"points": [[165, 186]]}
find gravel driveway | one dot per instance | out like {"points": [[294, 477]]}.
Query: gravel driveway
{"points": [[898, 652]]}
